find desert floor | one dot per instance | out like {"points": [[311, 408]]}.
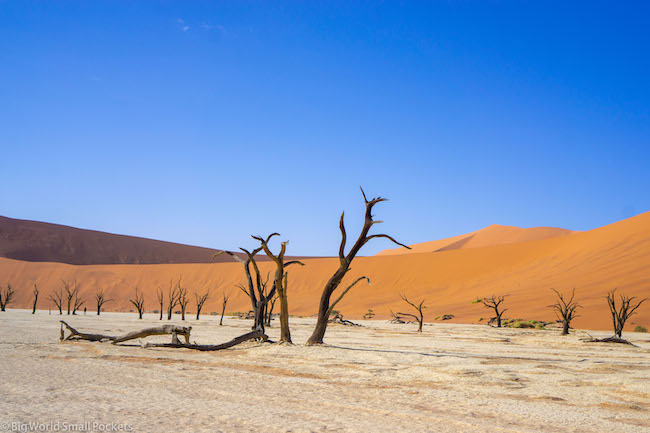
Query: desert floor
{"points": [[378, 378]]}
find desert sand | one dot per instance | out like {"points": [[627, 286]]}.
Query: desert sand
{"points": [[376, 378], [489, 236], [592, 262]]}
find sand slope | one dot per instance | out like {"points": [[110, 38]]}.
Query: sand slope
{"points": [[592, 262], [45, 242], [489, 236]]}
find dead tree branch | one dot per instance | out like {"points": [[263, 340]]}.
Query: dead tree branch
{"points": [[138, 302], [223, 307], [101, 300], [419, 307], [345, 260], [565, 310], [494, 303], [620, 313], [6, 297], [57, 298], [200, 301]]}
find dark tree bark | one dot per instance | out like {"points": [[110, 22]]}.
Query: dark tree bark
{"points": [[253, 335], [70, 292], [174, 330], [200, 301], [256, 288], [35, 292], [183, 300], [565, 310], [269, 312], [78, 303], [494, 303], [101, 300], [280, 284], [620, 313], [223, 307], [174, 297], [161, 300], [138, 302], [419, 307], [6, 297], [57, 298], [345, 260]]}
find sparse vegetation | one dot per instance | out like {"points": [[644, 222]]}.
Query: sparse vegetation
{"points": [[200, 301], [418, 307], [494, 303], [138, 302], [101, 300], [6, 296], [639, 328], [623, 311], [565, 310]]}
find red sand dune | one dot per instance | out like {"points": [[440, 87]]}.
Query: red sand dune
{"points": [[592, 262], [489, 236]]}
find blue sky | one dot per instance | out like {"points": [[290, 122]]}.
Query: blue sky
{"points": [[205, 122]]}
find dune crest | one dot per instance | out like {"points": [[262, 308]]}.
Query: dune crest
{"points": [[494, 234]]}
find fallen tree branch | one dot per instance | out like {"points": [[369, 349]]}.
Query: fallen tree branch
{"points": [[174, 330], [211, 347], [607, 340]]}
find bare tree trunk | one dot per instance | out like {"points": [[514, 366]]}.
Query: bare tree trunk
{"points": [[280, 283], [223, 308], [35, 291], [174, 330], [324, 307]]}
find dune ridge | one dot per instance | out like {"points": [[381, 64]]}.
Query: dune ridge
{"points": [[592, 262], [492, 235]]}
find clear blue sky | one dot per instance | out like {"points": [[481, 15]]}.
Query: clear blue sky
{"points": [[205, 122]]}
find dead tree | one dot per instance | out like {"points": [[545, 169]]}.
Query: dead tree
{"points": [[183, 300], [419, 307], [138, 302], [78, 302], [396, 318], [280, 283], [35, 292], [174, 297], [620, 313], [101, 300], [256, 288], [565, 310], [6, 297], [57, 298], [71, 292], [269, 312], [200, 301], [174, 330], [345, 261], [494, 302], [161, 300], [223, 307]]}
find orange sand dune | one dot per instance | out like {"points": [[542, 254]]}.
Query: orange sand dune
{"points": [[592, 262], [489, 236]]}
